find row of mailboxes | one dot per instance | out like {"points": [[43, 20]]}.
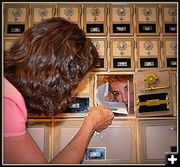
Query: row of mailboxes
{"points": [[122, 54], [123, 142], [116, 55], [96, 19], [142, 94]]}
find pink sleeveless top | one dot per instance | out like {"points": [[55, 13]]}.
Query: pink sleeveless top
{"points": [[14, 111]]}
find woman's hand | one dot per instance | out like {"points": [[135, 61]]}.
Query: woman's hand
{"points": [[99, 117]]}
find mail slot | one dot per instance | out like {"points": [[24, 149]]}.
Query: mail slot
{"points": [[80, 105], [153, 102], [95, 153]]}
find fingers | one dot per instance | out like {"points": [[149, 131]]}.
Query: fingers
{"points": [[103, 109], [101, 129], [102, 116]]}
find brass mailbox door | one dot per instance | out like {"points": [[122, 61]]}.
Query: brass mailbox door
{"points": [[153, 93], [169, 56], [169, 19], [115, 145], [156, 137], [121, 54], [16, 19], [121, 20], [41, 12], [148, 53], [95, 19], [147, 19], [71, 12], [101, 46], [8, 42]]}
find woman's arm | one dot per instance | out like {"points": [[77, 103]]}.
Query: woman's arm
{"points": [[98, 119], [74, 151], [23, 149]]}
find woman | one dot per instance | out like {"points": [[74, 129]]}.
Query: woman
{"points": [[42, 71], [118, 89]]}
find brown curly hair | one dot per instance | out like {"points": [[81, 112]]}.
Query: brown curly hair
{"points": [[47, 63]]}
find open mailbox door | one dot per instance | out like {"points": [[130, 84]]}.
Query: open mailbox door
{"points": [[153, 93]]}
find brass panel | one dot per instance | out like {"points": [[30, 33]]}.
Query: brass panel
{"points": [[101, 46], [147, 13], [174, 91], [17, 14], [169, 13], [170, 52], [163, 79], [121, 14], [169, 19], [170, 47], [71, 12], [148, 53], [41, 12], [86, 86], [16, 17], [95, 14], [155, 138], [148, 47], [8, 42], [153, 102], [122, 48], [124, 145], [153, 88], [147, 19]]}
